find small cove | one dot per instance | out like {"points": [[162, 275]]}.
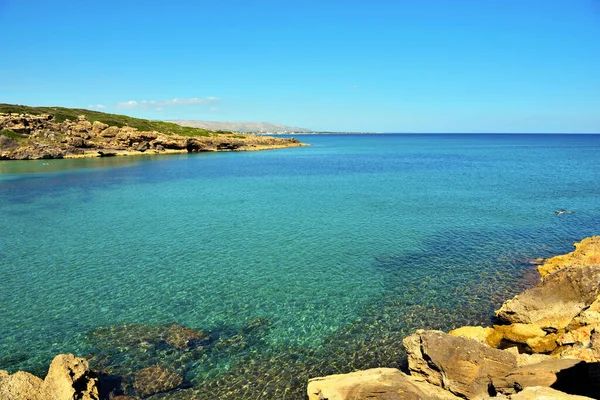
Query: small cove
{"points": [[340, 249]]}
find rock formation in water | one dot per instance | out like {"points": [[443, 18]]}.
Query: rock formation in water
{"points": [[28, 136], [546, 347]]}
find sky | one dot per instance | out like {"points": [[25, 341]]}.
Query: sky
{"points": [[528, 66]]}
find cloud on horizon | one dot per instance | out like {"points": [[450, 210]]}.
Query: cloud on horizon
{"points": [[167, 103], [96, 107]]}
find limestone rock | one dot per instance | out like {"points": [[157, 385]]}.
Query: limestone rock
{"points": [[489, 336], [556, 300], [561, 372], [520, 333], [377, 383], [98, 127], [580, 336], [155, 379], [69, 378], [545, 344], [587, 252], [20, 386], [545, 393], [460, 365]]}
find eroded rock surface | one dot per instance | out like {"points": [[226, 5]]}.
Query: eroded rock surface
{"points": [[463, 366], [68, 378], [376, 384], [558, 299]]}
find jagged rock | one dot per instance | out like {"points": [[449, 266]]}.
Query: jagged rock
{"points": [[589, 316], [460, 365], [586, 253], [556, 300], [377, 383], [489, 336], [545, 393], [568, 375], [69, 378], [20, 386], [98, 127], [109, 132], [155, 379], [143, 146], [581, 336]]}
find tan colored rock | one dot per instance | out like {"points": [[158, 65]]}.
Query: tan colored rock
{"points": [[519, 333], [545, 373], [587, 252], [545, 393], [98, 127], [460, 365], [69, 377], [155, 379], [377, 383], [21, 386], [545, 344], [580, 336], [109, 132], [488, 336], [554, 302]]}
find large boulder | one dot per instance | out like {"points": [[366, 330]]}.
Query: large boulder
{"points": [[463, 366], [554, 303], [376, 383], [69, 378]]}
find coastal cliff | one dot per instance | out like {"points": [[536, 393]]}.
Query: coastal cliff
{"points": [[546, 345], [26, 136]]}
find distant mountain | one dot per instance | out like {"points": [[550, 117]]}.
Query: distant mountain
{"points": [[256, 127]]}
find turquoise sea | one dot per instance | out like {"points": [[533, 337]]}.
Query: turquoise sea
{"points": [[296, 263]]}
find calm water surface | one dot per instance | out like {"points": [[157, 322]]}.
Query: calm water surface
{"points": [[332, 252]]}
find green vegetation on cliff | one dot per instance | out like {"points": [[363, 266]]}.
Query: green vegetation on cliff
{"points": [[61, 114]]}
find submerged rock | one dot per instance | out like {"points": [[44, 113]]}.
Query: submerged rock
{"points": [[155, 379]]}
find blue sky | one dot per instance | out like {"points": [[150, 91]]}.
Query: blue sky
{"points": [[387, 66]]}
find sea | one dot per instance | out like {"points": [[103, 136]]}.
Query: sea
{"points": [[290, 263]]}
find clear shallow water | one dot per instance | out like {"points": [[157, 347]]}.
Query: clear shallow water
{"points": [[343, 247]]}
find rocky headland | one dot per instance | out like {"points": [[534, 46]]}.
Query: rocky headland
{"points": [[25, 136], [545, 345]]}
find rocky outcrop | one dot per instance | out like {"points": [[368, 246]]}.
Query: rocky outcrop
{"points": [[68, 378], [587, 252], [463, 366], [376, 384], [39, 136], [559, 298], [547, 348]]}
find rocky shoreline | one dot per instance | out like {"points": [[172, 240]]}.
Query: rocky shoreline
{"points": [[545, 345], [30, 137]]}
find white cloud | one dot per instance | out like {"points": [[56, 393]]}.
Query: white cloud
{"points": [[96, 107], [167, 103]]}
